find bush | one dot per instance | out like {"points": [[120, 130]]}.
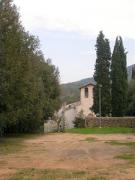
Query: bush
{"points": [[79, 120]]}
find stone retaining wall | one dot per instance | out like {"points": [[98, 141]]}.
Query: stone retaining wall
{"points": [[111, 121]]}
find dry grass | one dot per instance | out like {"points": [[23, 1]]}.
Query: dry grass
{"points": [[68, 156]]}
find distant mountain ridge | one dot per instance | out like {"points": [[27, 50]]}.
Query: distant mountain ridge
{"points": [[70, 91]]}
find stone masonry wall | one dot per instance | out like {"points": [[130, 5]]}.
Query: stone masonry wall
{"points": [[111, 121]]}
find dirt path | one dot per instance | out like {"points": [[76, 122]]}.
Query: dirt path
{"points": [[72, 152]]}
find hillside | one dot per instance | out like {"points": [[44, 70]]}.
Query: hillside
{"points": [[70, 91]]}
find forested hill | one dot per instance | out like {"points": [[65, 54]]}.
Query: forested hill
{"points": [[70, 91]]}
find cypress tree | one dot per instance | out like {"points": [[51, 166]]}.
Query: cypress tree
{"points": [[119, 79], [102, 76], [131, 95]]}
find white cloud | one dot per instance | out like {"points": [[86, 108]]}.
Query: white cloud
{"points": [[114, 17]]}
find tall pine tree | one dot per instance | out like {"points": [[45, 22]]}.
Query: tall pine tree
{"points": [[102, 76], [119, 79]]}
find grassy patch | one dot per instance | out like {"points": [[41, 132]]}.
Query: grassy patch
{"points": [[125, 143], [15, 143], [98, 178], [53, 174], [41, 174], [90, 139], [126, 156], [106, 130], [10, 145]]}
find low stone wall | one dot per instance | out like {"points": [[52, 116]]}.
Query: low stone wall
{"points": [[110, 121], [50, 126]]}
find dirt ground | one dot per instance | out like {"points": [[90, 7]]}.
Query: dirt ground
{"points": [[73, 152]]}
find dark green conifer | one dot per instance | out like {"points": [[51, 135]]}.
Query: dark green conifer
{"points": [[119, 79], [102, 76]]}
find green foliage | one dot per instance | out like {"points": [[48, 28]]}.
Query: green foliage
{"points": [[102, 75], [131, 95], [29, 90], [79, 121], [51, 88], [119, 79], [131, 98]]}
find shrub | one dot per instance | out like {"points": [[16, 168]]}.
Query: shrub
{"points": [[79, 121]]}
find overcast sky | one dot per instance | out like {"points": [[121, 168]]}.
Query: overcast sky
{"points": [[68, 29]]}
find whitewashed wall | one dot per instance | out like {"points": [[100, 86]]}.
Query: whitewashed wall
{"points": [[69, 116], [50, 126]]}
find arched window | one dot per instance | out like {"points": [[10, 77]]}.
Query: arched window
{"points": [[86, 92]]}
